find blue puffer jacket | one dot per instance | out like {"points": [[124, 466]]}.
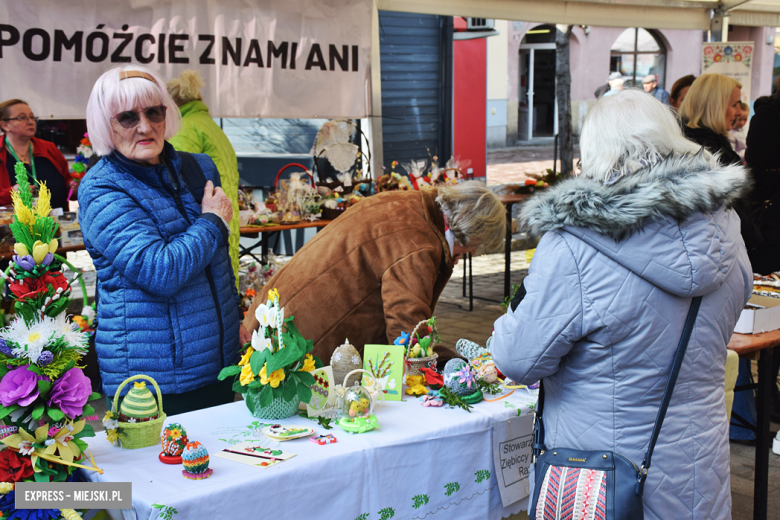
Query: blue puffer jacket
{"points": [[168, 304], [607, 295]]}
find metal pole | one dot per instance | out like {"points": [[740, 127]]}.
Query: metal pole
{"points": [[555, 155]]}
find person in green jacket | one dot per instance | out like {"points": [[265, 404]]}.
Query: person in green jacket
{"points": [[200, 134]]}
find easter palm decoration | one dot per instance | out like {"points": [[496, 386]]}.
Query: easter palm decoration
{"points": [[43, 392], [274, 372]]}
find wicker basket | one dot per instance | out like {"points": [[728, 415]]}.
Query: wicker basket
{"points": [[413, 365], [140, 434], [278, 409]]}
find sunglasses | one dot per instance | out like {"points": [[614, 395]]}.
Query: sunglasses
{"points": [[131, 118]]}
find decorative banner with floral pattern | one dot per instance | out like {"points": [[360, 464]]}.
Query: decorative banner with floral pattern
{"points": [[732, 59]]}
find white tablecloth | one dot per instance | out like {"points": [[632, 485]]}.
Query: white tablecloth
{"points": [[423, 463]]}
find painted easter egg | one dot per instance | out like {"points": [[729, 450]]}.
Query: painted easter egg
{"points": [[195, 459], [344, 360], [139, 404], [459, 378], [174, 440], [320, 389]]}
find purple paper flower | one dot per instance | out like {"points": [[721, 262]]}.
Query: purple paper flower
{"points": [[45, 358], [26, 262], [5, 349], [20, 386], [465, 376], [70, 392], [47, 259]]}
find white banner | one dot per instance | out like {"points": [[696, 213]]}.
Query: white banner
{"points": [[269, 58], [732, 59]]}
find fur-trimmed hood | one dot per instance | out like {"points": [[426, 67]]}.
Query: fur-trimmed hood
{"points": [[676, 187], [668, 222]]}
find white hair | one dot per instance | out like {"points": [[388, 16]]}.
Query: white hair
{"points": [[112, 95], [628, 131]]}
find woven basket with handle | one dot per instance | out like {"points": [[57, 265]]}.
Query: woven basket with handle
{"points": [[413, 365], [140, 434]]}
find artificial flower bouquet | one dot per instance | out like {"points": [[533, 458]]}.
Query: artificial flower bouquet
{"points": [[43, 391], [274, 372]]}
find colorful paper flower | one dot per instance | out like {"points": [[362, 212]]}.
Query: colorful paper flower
{"points": [[24, 262], [70, 331], [245, 358], [39, 251], [21, 249], [20, 386], [70, 392], [246, 375], [23, 441], [403, 339], [109, 421], [14, 468], [465, 376], [275, 379], [64, 445], [259, 342], [308, 363]]}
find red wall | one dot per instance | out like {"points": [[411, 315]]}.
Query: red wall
{"points": [[470, 102]]}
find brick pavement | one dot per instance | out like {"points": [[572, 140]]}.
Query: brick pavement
{"points": [[512, 165]]}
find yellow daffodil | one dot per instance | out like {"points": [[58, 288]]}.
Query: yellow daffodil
{"points": [[246, 375], [276, 377], [21, 249], [53, 244], [308, 363], [63, 442], [23, 441], [39, 252], [273, 293], [245, 359]]}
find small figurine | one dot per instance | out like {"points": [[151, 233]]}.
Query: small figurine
{"points": [[174, 440], [196, 462]]}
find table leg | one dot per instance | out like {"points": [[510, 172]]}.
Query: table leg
{"points": [[508, 250], [463, 257], [264, 247], [471, 284], [766, 380]]}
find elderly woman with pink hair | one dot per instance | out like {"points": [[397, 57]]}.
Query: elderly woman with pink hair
{"points": [[155, 222]]}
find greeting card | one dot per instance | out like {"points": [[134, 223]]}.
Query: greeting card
{"points": [[386, 365]]}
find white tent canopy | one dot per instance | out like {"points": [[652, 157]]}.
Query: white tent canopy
{"points": [[652, 14]]}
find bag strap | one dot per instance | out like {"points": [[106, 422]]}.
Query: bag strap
{"points": [[193, 176], [690, 321], [679, 356]]}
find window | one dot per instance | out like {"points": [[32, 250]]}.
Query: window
{"points": [[637, 53]]}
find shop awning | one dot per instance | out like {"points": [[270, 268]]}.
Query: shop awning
{"points": [[651, 14]]}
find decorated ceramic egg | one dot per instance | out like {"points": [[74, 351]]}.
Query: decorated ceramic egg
{"points": [[195, 458], [139, 405], [459, 378], [174, 440], [344, 360]]}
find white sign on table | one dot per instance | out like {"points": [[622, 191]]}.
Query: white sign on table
{"points": [[512, 450], [275, 58]]}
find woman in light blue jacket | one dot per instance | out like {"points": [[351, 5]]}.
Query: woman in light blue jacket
{"points": [[626, 245]]}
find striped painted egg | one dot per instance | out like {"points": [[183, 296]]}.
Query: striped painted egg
{"points": [[195, 458], [138, 405]]}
